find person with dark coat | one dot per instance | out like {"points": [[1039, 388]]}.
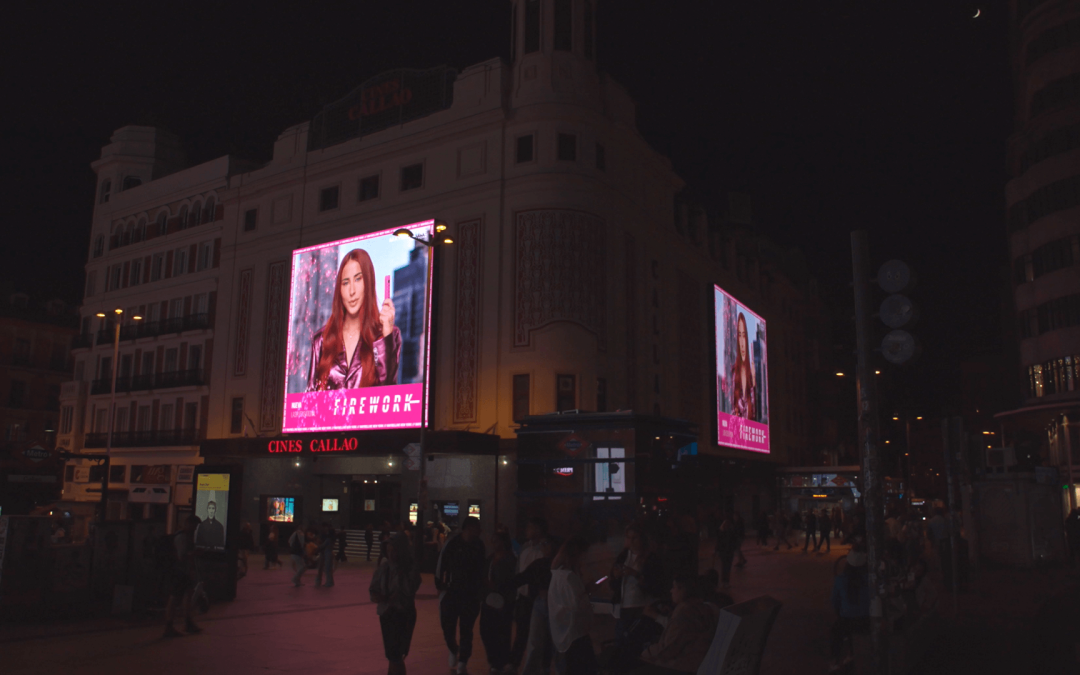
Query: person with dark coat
{"points": [[497, 610], [460, 579], [762, 527], [726, 544], [811, 531], [740, 536], [636, 579]]}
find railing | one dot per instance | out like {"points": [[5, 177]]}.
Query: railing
{"points": [[147, 329], [82, 341], [137, 439], [128, 383]]}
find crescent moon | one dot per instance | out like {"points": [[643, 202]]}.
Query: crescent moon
{"points": [[978, 12]]}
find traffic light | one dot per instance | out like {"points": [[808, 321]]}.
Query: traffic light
{"points": [[897, 311]]}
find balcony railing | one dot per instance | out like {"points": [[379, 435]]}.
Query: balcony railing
{"points": [[128, 383], [82, 341], [139, 439], [147, 329]]}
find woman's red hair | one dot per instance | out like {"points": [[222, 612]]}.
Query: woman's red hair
{"points": [[370, 324]]}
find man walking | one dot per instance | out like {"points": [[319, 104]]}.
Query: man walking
{"points": [[459, 577], [182, 581], [782, 530], [296, 552], [825, 530], [326, 557], [811, 530], [535, 532]]}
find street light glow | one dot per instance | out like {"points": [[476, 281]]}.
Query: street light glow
{"points": [[839, 374], [101, 315], [447, 240], [403, 232]]}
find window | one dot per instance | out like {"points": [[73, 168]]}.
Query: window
{"points": [[191, 414], [194, 357], [196, 215], [105, 191], [142, 418], [147, 363], [209, 211], [601, 394], [412, 177], [369, 188], [183, 217], [328, 198], [532, 26], [69, 473], [131, 182], [564, 23], [200, 303], [206, 256], [17, 394], [565, 393], [121, 419], [117, 473], [610, 476], [567, 150], [601, 157], [176, 308], [521, 397], [162, 223], [236, 423], [1058, 93], [157, 266], [251, 217], [97, 473], [1049, 199], [67, 419], [167, 421], [170, 360], [139, 233], [135, 277], [114, 278], [180, 261], [524, 149], [99, 246]]}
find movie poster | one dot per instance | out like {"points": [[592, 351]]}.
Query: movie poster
{"points": [[357, 355], [212, 508], [742, 376]]}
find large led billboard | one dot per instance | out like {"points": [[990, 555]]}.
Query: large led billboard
{"points": [[357, 355], [742, 375]]}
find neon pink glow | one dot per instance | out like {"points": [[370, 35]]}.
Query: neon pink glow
{"points": [[399, 403], [742, 376]]}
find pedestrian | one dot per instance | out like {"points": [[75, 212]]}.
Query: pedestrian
{"points": [[459, 577], [825, 530], [762, 527], [270, 549], [182, 578], [384, 536], [690, 629], [369, 539], [342, 543], [393, 587], [497, 611], [725, 551], [636, 579], [296, 552], [740, 536], [531, 551], [810, 523], [537, 576], [838, 521], [782, 528], [246, 544], [851, 600], [570, 611], [326, 556]]}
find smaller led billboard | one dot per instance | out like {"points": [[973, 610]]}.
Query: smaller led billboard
{"points": [[212, 507], [357, 357], [742, 376]]}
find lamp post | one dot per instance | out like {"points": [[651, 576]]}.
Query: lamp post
{"points": [[438, 237], [112, 408], [905, 459]]}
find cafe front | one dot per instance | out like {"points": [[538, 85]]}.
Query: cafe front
{"points": [[351, 480]]}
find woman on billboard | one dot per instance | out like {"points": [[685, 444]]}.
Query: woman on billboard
{"points": [[743, 378], [359, 346]]}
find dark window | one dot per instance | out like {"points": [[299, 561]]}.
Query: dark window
{"points": [[588, 28], [97, 473], [524, 148], [131, 182], [564, 22], [601, 157], [191, 413], [565, 393], [328, 198], [117, 474], [1051, 40], [251, 218], [567, 148], [521, 397], [69, 473], [236, 424], [1054, 143], [1058, 93], [369, 188], [157, 266], [17, 394], [162, 223], [412, 177], [1049, 199], [532, 29], [601, 394], [99, 245], [106, 191]]}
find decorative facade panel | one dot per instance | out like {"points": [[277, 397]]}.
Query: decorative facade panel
{"points": [[469, 249], [631, 322], [243, 317], [691, 364], [273, 347], [560, 273]]}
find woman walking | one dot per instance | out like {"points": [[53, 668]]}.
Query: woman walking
{"points": [[270, 549], [394, 587], [497, 612]]}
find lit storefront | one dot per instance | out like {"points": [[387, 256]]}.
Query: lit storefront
{"points": [[803, 488]]}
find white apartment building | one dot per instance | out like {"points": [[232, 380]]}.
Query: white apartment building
{"points": [[575, 280]]}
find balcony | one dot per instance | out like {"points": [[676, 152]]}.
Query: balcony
{"points": [[143, 439], [82, 341], [148, 329], [168, 380]]}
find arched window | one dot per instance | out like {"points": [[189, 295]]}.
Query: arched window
{"points": [[209, 210], [106, 189], [196, 214], [131, 182], [183, 217], [140, 231], [161, 223], [99, 246], [125, 235]]}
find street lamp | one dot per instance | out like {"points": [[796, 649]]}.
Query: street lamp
{"points": [[112, 408], [439, 237]]}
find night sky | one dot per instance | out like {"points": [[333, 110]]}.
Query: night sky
{"points": [[833, 114]]}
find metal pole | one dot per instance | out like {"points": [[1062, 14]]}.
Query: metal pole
{"points": [[907, 467], [868, 444], [421, 493], [1068, 460], [954, 437], [112, 421]]}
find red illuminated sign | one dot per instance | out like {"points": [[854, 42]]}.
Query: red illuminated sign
{"points": [[347, 444]]}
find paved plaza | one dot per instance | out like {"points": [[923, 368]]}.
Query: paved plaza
{"points": [[272, 627]]}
